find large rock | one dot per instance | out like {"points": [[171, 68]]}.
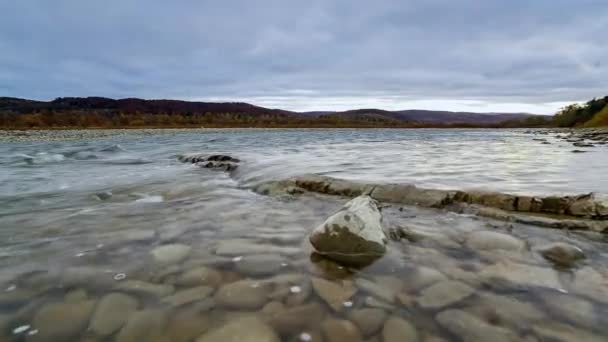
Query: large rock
{"points": [[248, 329], [61, 321], [562, 254], [353, 235], [472, 329], [111, 313]]}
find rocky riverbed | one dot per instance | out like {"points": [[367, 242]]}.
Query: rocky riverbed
{"points": [[212, 256]]}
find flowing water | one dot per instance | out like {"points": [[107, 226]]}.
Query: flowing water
{"points": [[105, 235]]}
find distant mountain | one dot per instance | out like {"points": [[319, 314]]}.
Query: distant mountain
{"points": [[133, 112], [132, 105], [432, 116]]}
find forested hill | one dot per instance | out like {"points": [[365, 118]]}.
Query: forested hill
{"points": [[102, 112], [594, 113]]}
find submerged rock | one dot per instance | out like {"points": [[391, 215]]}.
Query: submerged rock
{"points": [[61, 321], [340, 330], [397, 329], [258, 265], [472, 329], [521, 275], [489, 240], [144, 325], [171, 254], [188, 296], [560, 332], [369, 321], [111, 313], [334, 294], [248, 329], [562, 254], [443, 294], [353, 235], [217, 161], [243, 294]]}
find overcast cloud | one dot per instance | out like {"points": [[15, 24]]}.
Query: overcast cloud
{"points": [[478, 55]]}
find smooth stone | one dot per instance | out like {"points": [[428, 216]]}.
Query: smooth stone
{"points": [[472, 329], [61, 321], [199, 276], [384, 288], [397, 329], [423, 277], [85, 277], [353, 235], [273, 308], [186, 325], [591, 284], [562, 254], [16, 297], [243, 294], [576, 310], [373, 302], [369, 321], [188, 296], [259, 265], [142, 287], [559, 332], [340, 330], [488, 240], [505, 310], [297, 319], [443, 294], [521, 274], [332, 293], [111, 313], [240, 247], [77, 295], [249, 329], [145, 325], [171, 254]]}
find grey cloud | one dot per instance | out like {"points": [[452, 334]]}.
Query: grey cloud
{"points": [[308, 54]]}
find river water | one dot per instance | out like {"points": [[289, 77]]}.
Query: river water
{"points": [[105, 235]]}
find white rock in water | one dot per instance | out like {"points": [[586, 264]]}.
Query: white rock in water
{"points": [[354, 234]]}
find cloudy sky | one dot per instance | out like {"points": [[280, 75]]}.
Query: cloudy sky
{"points": [[477, 55]]}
